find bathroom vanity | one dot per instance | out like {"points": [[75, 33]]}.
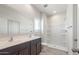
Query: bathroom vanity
{"points": [[27, 47]]}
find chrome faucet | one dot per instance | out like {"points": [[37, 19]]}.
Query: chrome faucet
{"points": [[11, 39], [30, 34]]}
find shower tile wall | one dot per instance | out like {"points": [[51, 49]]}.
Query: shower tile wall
{"points": [[55, 30]]}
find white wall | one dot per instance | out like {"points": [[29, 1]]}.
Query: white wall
{"points": [[78, 26], [26, 19]]}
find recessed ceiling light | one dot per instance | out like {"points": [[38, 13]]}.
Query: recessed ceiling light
{"points": [[54, 11]]}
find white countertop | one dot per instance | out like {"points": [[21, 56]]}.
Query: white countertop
{"points": [[16, 41]]}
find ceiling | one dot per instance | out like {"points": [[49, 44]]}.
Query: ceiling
{"points": [[51, 9]]}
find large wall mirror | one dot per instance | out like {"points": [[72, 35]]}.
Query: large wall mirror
{"points": [[13, 27]]}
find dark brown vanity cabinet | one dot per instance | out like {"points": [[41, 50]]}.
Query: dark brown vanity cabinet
{"points": [[28, 48]]}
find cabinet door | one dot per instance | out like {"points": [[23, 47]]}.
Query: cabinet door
{"points": [[38, 45], [33, 50], [24, 52], [33, 47], [14, 53]]}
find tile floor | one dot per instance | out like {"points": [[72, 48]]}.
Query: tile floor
{"points": [[52, 51]]}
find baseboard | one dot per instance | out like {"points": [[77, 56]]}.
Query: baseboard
{"points": [[56, 46]]}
